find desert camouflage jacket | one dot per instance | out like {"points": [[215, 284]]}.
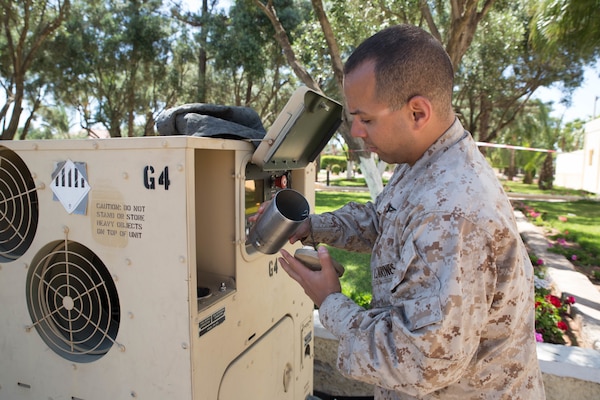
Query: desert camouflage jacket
{"points": [[452, 315]]}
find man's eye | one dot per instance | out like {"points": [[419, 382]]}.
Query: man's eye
{"points": [[365, 121]]}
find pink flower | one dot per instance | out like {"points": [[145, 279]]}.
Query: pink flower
{"points": [[540, 261], [539, 337], [570, 300], [562, 218], [574, 257]]}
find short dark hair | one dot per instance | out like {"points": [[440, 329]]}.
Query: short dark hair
{"points": [[408, 62]]}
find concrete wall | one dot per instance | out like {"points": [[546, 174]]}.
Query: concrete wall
{"points": [[569, 170], [581, 169], [591, 164]]}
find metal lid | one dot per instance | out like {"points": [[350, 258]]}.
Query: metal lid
{"points": [[300, 132]]}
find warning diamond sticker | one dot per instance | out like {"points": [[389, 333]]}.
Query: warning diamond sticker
{"points": [[69, 184]]}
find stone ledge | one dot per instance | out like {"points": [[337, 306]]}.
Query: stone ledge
{"points": [[569, 362], [568, 372]]}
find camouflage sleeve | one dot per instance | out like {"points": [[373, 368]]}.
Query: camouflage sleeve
{"points": [[352, 227], [432, 310]]}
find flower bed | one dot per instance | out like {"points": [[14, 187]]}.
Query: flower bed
{"points": [[553, 321], [552, 313]]}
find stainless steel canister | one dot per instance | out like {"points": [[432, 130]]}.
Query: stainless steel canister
{"points": [[284, 214]]}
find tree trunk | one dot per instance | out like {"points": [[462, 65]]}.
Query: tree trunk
{"points": [[511, 171], [17, 38], [355, 145], [202, 57], [464, 21], [546, 179]]}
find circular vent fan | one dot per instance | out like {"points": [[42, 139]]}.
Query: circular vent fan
{"points": [[73, 301], [18, 206]]}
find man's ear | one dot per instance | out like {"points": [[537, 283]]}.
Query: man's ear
{"points": [[421, 110]]}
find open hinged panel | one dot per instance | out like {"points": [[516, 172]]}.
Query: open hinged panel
{"points": [[299, 133]]}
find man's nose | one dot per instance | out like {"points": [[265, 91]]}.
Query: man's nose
{"points": [[357, 129]]}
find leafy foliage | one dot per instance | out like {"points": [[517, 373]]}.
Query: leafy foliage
{"points": [[120, 63]]}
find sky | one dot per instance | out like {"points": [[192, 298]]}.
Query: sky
{"points": [[585, 101]]}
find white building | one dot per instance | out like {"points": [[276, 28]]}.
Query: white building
{"points": [[581, 169]]}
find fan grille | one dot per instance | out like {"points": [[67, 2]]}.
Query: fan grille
{"points": [[18, 206], [73, 301]]}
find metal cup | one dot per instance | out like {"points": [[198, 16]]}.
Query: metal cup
{"points": [[284, 214]]}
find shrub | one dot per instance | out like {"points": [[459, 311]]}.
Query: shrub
{"points": [[328, 161]]}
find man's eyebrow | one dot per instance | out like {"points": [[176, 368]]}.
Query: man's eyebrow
{"points": [[356, 112]]}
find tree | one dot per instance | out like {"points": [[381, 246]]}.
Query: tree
{"points": [[494, 79], [201, 21], [567, 26], [26, 26], [111, 58], [356, 147]]}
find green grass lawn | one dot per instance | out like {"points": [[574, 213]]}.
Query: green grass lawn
{"points": [[573, 225], [356, 281], [573, 229], [519, 187]]}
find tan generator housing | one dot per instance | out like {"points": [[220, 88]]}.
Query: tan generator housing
{"points": [[125, 272]]}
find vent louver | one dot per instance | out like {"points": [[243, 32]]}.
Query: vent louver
{"points": [[18, 206], [73, 301]]}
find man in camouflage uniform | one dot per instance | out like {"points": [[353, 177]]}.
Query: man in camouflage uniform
{"points": [[452, 315]]}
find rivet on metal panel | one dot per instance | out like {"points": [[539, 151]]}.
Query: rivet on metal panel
{"points": [[35, 146], [164, 143], [133, 394], [25, 265], [41, 186], [184, 346], [95, 145], [122, 348], [179, 167], [125, 175], [74, 366], [65, 229], [130, 315], [127, 261], [115, 278], [181, 259]]}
